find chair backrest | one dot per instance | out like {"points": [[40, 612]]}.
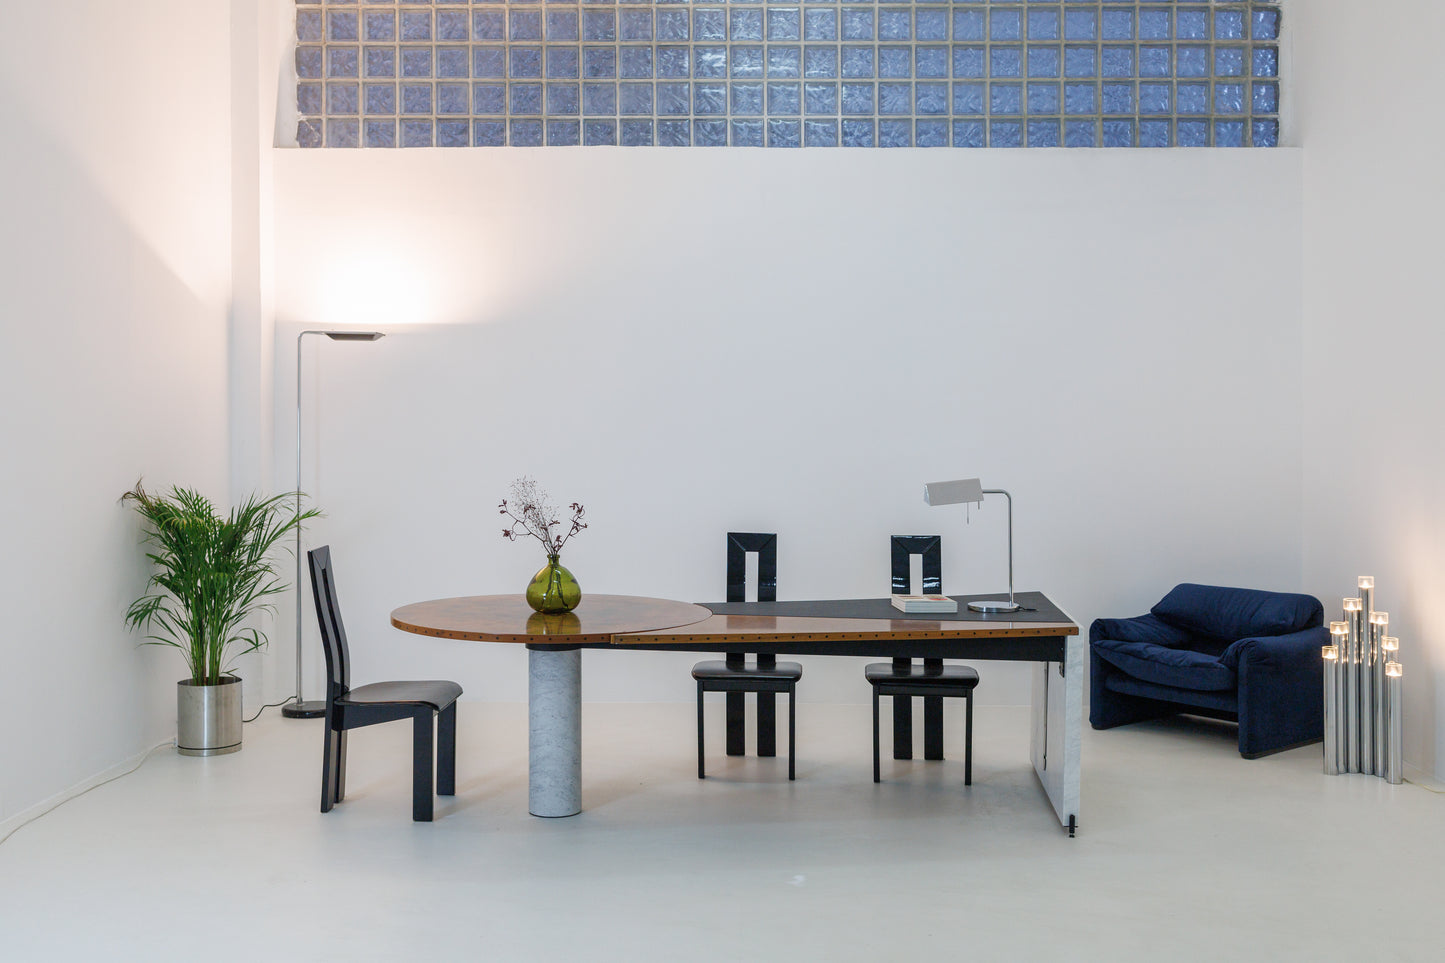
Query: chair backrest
{"points": [[1229, 614], [328, 615], [739, 545], [903, 548]]}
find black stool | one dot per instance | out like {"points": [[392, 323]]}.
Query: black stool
{"points": [[715, 675], [944, 681]]}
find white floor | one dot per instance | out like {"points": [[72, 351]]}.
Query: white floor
{"points": [[1185, 851]]}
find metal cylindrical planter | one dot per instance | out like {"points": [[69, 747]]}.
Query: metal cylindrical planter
{"points": [[208, 717]]}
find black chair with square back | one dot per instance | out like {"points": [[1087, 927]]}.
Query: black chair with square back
{"points": [[734, 675], [903, 679], [431, 705]]}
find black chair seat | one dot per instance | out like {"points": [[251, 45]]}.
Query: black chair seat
{"points": [[955, 676], [714, 670], [436, 694]]}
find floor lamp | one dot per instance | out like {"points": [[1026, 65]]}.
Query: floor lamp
{"points": [[300, 709], [971, 491]]}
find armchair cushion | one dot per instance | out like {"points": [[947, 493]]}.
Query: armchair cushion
{"points": [[1235, 613], [1145, 628], [1162, 665]]}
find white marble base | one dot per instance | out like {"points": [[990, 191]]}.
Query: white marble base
{"points": [[1058, 728], [554, 732]]}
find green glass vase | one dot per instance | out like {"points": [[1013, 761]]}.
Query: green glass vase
{"points": [[553, 589]]}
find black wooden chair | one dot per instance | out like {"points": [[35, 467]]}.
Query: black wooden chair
{"points": [[734, 675], [429, 705], [903, 679]]}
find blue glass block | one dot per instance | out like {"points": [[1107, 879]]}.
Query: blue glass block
{"points": [[820, 133], [416, 133], [895, 133], [823, 99], [710, 133], [343, 25], [1154, 25], [857, 24], [1264, 24], [416, 98], [857, 61], [489, 98], [747, 133], [1005, 62], [785, 98], [1080, 99], [1154, 99], [930, 98], [784, 24], [526, 133], [967, 98], [895, 25], [820, 60], [596, 99], [895, 61], [1079, 133], [453, 99], [709, 25], [343, 98], [381, 61], [492, 24], [820, 24], [1043, 133], [1118, 133], [563, 133], [526, 61], [416, 62], [1229, 25], [343, 132], [452, 62], [671, 24], [599, 133], [1264, 133], [637, 133], [308, 61], [968, 133], [1081, 25], [747, 61], [930, 25], [1228, 61], [454, 133], [525, 25], [416, 25], [1118, 99], [747, 99], [635, 24], [930, 62], [488, 62], [380, 133], [1116, 25], [968, 62], [636, 62], [785, 133], [858, 133], [858, 98], [1155, 62], [967, 24], [673, 99], [1192, 24], [1043, 25], [563, 99], [308, 99], [710, 61], [342, 62], [1080, 61], [1265, 62], [489, 133], [930, 133], [1192, 133], [381, 25], [600, 62], [785, 61], [708, 99], [1005, 99], [1117, 61], [308, 27], [1005, 133], [1043, 98], [599, 25], [526, 98], [1192, 99], [1229, 98], [452, 26], [746, 24], [1191, 61], [895, 98], [1265, 99], [1154, 133], [1005, 24], [674, 61], [1044, 61], [1229, 133]]}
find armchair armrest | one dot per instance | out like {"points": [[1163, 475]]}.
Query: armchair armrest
{"points": [[1144, 628], [1297, 651], [1280, 689]]}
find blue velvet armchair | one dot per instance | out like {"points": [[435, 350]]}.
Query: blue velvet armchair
{"points": [[1239, 654]]}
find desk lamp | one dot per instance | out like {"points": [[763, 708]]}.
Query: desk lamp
{"points": [[316, 708], [970, 491]]}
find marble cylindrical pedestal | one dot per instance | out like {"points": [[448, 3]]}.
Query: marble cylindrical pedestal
{"points": [[554, 732]]}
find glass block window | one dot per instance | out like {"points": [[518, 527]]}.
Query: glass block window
{"points": [[787, 73]]}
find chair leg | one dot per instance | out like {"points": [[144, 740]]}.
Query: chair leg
{"points": [[968, 739], [876, 775], [422, 753], [328, 767], [699, 730], [792, 730], [338, 773], [447, 751]]}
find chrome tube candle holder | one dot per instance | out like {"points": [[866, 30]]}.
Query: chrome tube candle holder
{"points": [[1339, 635], [1332, 672], [1351, 665], [1394, 762], [1379, 623], [1362, 684]]}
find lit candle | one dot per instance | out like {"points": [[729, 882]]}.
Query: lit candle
{"points": [[1394, 764], [1332, 666], [1354, 621]]}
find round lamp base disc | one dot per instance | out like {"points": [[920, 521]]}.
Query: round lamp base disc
{"points": [[987, 606], [304, 710]]}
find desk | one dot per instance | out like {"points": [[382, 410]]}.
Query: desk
{"points": [[554, 691]]}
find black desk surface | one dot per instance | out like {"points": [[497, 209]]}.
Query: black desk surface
{"points": [[1036, 608]]}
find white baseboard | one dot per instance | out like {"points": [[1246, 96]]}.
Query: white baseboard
{"points": [[34, 812]]}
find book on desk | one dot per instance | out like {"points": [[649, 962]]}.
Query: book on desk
{"points": [[924, 603]]}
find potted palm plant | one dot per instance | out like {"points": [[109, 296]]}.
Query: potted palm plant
{"points": [[212, 574]]}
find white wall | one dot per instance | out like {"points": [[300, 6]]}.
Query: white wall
{"points": [[694, 341], [114, 280], [1373, 206]]}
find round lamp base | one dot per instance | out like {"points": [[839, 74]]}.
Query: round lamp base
{"points": [[304, 710], [990, 606]]}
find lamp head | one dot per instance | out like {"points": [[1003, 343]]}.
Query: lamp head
{"points": [[953, 492], [354, 335]]}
